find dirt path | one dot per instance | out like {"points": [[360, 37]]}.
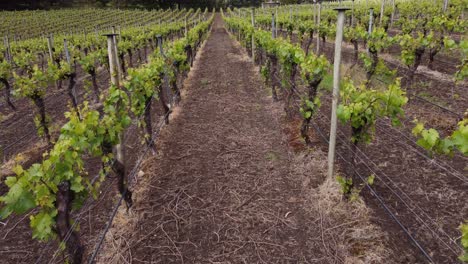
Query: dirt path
{"points": [[222, 173], [223, 188]]}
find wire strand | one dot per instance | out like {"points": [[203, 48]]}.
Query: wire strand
{"points": [[398, 196], [375, 194]]}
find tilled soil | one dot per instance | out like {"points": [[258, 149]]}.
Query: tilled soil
{"points": [[221, 189]]}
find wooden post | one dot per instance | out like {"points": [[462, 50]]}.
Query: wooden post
{"points": [[393, 13], [352, 14], [119, 166], [167, 89], [50, 46], [113, 69], [112, 60], [382, 7], [8, 49], [318, 27], [67, 53], [336, 88], [371, 18], [315, 12], [117, 60]]}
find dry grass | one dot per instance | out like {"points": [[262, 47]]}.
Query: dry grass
{"points": [[347, 234], [23, 158]]}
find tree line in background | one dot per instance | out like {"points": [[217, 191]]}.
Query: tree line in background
{"points": [[52, 4]]}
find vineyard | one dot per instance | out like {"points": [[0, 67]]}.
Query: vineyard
{"points": [[201, 136]]}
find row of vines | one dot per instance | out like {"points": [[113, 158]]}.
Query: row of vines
{"points": [[430, 29], [60, 183]]}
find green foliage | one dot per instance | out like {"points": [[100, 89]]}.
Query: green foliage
{"points": [[265, 71], [361, 107], [38, 185], [308, 108], [33, 84], [431, 140], [345, 183], [464, 241], [142, 84], [60, 72], [90, 61], [5, 69], [313, 70], [350, 190], [355, 33], [409, 45], [378, 39], [462, 73], [80, 138]]}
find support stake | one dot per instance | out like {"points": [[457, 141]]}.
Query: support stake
{"points": [[117, 61], [393, 13], [336, 88], [318, 27], [382, 7]]}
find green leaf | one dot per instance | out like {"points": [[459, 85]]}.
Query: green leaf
{"points": [[370, 179], [430, 136], [464, 241], [42, 224], [18, 200], [418, 129], [18, 170]]}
